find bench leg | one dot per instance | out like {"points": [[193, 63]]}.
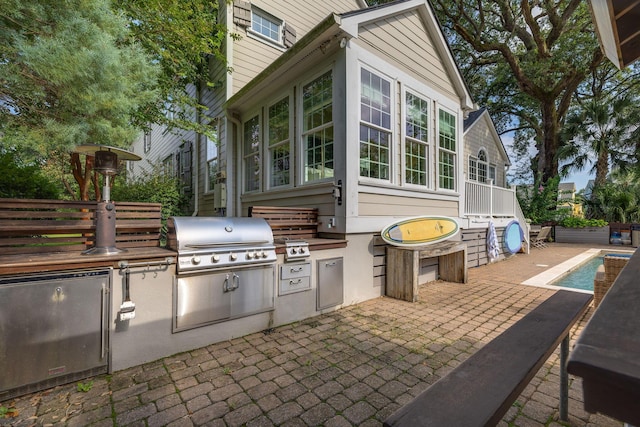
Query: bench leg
{"points": [[564, 380]]}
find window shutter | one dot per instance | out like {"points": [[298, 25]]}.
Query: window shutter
{"points": [[242, 13], [289, 36]]}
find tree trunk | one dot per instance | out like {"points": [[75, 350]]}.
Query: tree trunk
{"points": [[602, 167], [82, 177], [548, 160]]}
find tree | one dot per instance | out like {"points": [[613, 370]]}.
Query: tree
{"points": [[524, 60], [23, 180], [70, 77], [601, 129], [185, 38]]}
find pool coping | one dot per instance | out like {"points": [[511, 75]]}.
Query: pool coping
{"points": [[544, 279]]}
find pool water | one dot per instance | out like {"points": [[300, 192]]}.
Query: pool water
{"points": [[582, 277]]}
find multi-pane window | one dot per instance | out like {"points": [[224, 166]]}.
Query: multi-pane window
{"points": [[317, 129], [478, 167], [416, 146], [251, 154], [266, 25], [446, 150], [492, 173], [375, 125], [212, 160], [279, 145]]}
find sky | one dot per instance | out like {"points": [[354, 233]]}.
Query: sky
{"points": [[580, 178]]}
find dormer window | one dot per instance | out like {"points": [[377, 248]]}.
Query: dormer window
{"points": [[266, 25]]}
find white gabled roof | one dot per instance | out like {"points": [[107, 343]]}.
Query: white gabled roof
{"points": [[351, 22]]}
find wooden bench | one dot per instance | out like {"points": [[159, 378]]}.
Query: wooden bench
{"points": [[403, 267], [288, 222], [36, 226], [480, 390]]}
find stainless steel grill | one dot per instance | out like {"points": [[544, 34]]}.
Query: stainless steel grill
{"points": [[207, 243], [226, 269]]}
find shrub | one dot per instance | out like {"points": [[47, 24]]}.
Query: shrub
{"points": [[155, 187], [575, 222]]}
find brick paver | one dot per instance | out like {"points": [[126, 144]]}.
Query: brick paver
{"points": [[354, 366]]}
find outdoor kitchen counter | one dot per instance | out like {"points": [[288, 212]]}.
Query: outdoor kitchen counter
{"points": [[56, 261]]}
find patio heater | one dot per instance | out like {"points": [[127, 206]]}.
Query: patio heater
{"points": [[106, 163]]}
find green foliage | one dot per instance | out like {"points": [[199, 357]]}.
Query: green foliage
{"points": [[575, 222], [23, 180], [539, 203], [615, 201], [68, 75], [84, 387], [524, 61], [7, 412], [601, 130], [184, 38], [153, 187]]}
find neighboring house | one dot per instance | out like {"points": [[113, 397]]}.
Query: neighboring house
{"points": [[567, 198], [356, 111]]}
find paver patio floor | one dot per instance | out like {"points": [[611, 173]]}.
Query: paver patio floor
{"points": [[354, 366]]}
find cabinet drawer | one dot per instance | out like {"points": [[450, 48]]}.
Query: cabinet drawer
{"points": [[292, 271], [288, 286]]}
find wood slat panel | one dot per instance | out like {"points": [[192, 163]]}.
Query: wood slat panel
{"points": [[289, 222], [30, 226]]}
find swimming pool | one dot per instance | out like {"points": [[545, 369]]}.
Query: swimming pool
{"points": [[582, 277], [576, 273]]}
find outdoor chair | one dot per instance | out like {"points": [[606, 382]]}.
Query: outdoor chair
{"points": [[540, 241]]}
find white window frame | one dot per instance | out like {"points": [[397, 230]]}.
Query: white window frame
{"points": [[390, 131], [302, 133], [428, 144], [265, 16], [477, 164], [453, 153], [269, 149]]}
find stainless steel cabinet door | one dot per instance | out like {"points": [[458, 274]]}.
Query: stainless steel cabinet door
{"points": [[330, 283], [253, 290], [52, 325], [202, 299]]}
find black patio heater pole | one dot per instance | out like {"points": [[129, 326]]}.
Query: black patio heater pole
{"points": [[106, 163]]}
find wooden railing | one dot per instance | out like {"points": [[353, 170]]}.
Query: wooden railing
{"points": [[29, 226]]}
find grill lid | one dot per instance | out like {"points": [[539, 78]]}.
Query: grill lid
{"points": [[185, 234]]}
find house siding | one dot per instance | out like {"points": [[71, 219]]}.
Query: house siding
{"points": [[252, 55], [372, 204], [479, 136], [388, 38]]}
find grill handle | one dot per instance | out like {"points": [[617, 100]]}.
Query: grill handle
{"points": [[218, 244], [235, 283]]}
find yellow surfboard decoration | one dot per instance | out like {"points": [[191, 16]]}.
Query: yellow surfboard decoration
{"points": [[420, 230]]}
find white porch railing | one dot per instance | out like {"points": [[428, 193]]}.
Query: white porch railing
{"points": [[489, 200]]}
